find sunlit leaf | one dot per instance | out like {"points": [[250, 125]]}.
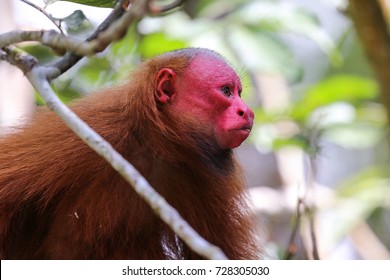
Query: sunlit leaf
{"points": [[48, 2], [372, 112], [261, 52], [356, 135], [42, 53], [347, 88], [65, 92], [286, 17], [263, 116], [157, 43], [360, 196], [125, 46], [95, 69], [297, 141]]}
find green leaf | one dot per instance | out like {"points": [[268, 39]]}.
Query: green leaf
{"points": [[42, 53], [125, 47], [75, 20], [359, 197], [94, 3], [349, 88], [285, 17], [63, 90], [297, 141], [93, 72], [48, 2], [157, 43], [356, 135], [259, 51]]}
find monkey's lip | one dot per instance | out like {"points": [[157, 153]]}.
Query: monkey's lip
{"points": [[245, 128]]}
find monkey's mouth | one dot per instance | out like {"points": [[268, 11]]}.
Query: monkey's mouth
{"points": [[246, 128]]}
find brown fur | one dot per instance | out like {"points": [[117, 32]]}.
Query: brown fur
{"points": [[59, 200]]}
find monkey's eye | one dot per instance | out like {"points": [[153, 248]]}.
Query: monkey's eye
{"points": [[226, 91]]}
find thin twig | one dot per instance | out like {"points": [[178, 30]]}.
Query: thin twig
{"points": [[115, 31], [314, 136], [310, 209], [113, 28], [305, 204], [49, 16], [292, 246], [156, 10], [70, 59]]}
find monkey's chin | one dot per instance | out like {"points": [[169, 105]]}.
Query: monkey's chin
{"points": [[234, 138]]}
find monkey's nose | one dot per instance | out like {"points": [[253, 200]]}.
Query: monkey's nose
{"points": [[245, 112]]}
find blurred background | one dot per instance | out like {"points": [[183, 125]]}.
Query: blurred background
{"points": [[317, 160]]}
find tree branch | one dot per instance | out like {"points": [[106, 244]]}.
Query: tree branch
{"points": [[59, 42], [18, 58], [306, 205], [156, 10], [71, 59], [310, 211], [50, 38], [292, 246], [372, 30], [112, 29]]}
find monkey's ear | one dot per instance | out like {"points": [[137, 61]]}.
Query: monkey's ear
{"points": [[166, 85]]}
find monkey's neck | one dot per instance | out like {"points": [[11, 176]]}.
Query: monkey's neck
{"points": [[221, 161], [182, 140]]}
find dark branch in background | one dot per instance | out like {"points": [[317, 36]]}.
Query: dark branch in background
{"points": [[45, 13], [114, 30], [372, 29], [156, 10], [292, 247], [302, 210], [71, 59], [310, 208], [306, 205]]}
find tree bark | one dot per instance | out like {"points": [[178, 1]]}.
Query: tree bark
{"points": [[371, 27]]}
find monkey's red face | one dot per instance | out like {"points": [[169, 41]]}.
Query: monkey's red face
{"points": [[209, 91]]}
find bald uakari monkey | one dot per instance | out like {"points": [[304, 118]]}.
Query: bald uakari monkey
{"points": [[176, 119]]}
